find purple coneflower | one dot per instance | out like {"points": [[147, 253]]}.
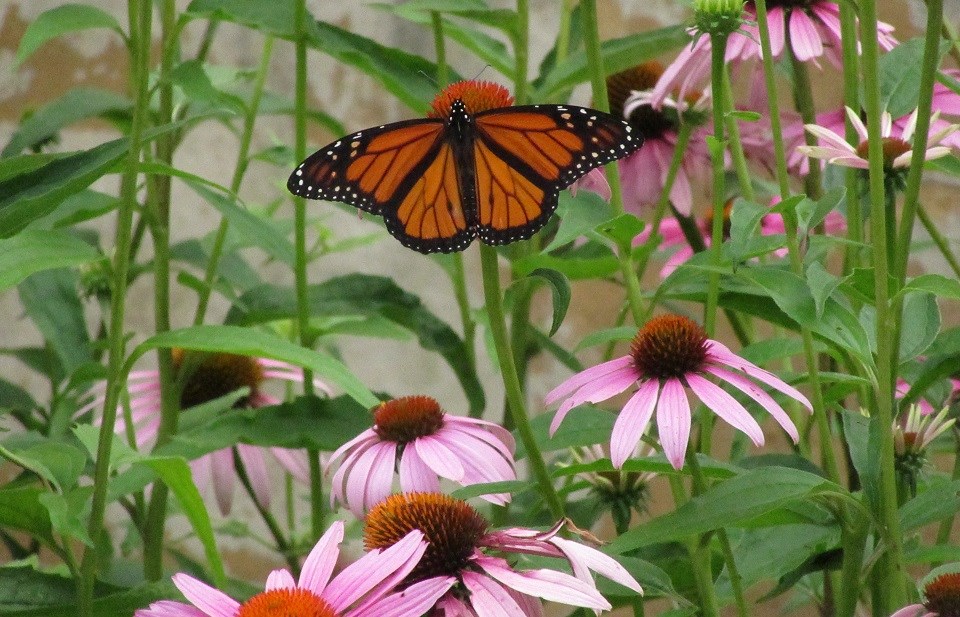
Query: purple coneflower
{"points": [[366, 588], [669, 354], [217, 375], [897, 142], [644, 173], [459, 541], [414, 436], [942, 598], [814, 31]]}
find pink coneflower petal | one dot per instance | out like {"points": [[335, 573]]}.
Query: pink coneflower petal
{"points": [[371, 571], [439, 458], [256, 467], [914, 610], [726, 407], [583, 559], [501, 435], [416, 599], [319, 564], [857, 124], [488, 598], [834, 141], [805, 38], [211, 601], [280, 579], [294, 462], [673, 421], [582, 378], [168, 608], [776, 22], [761, 397], [366, 436], [374, 477], [632, 422], [222, 473], [727, 357], [547, 584], [415, 476], [601, 389]]}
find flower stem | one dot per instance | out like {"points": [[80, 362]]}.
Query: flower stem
{"points": [[946, 525], [317, 507], [511, 383], [700, 562], [911, 194], [942, 242], [140, 23], [159, 221], [243, 161], [803, 99], [591, 40], [718, 47], [851, 97], [282, 545], [736, 145], [793, 245], [890, 580]]}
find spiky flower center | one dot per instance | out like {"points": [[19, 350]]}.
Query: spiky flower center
{"points": [[669, 346], [452, 528], [217, 375], [892, 148], [404, 419], [649, 122], [476, 95], [286, 603], [943, 595]]}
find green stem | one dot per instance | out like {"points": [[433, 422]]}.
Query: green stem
{"points": [[699, 551], [563, 34], [159, 220], [851, 96], [140, 23], [511, 383], [282, 545], [521, 44], [718, 47], [803, 98], [243, 161], [736, 146], [853, 539], [891, 568], [793, 245], [591, 39], [317, 506], [942, 242]]}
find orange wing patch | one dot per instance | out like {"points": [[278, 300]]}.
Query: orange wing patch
{"points": [[507, 201], [388, 158], [433, 210], [536, 139]]}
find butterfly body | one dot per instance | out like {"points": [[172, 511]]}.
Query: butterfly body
{"points": [[440, 182]]}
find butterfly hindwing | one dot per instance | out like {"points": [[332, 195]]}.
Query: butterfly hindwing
{"points": [[526, 155]]}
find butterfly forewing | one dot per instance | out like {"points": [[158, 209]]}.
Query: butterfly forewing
{"points": [[372, 168], [526, 155]]}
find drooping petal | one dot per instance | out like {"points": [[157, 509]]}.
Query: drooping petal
{"points": [[673, 421], [602, 389], [914, 610], [415, 476], [723, 355], [168, 608], [804, 37], [488, 598], [319, 564], [256, 467], [583, 558], [727, 407], [765, 400], [367, 436], [211, 601], [547, 584], [582, 378], [223, 476], [632, 421], [438, 457], [416, 599]]}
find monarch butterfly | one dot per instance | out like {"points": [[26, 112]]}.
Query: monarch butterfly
{"points": [[474, 167]]}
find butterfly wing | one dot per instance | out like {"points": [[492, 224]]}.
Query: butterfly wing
{"points": [[403, 171], [526, 155]]}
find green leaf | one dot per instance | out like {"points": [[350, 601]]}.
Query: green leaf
{"points": [[52, 302], [574, 267], [59, 21], [618, 54], [57, 462], [727, 504], [13, 396], [937, 284], [69, 513], [610, 335], [252, 229], [36, 193], [560, 289], [862, 435], [321, 424], [250, 342], [77, 104], [361, 294], [77, 208], [578, 216], [622, 229], [938, 501], [918, 330], [196, 85], [744, 220], [899, 77], [811, 213], [822, 284], [583, 426], [175, 473], [20, 509], [25, 592], [514, 487], [35, 251]]}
